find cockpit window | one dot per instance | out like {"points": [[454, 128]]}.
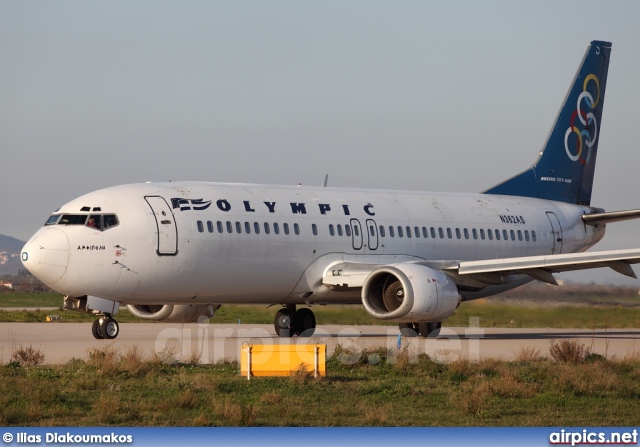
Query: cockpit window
{"points": [[100, 222], [95, 221], [73, 219], [53, 219], [110, 220]]}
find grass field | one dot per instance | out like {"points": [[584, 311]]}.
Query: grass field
{"points": [[490, 314], [121, 389], [383, 388]]}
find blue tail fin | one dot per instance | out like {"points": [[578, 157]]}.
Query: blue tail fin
{"points": [[564, 170]]}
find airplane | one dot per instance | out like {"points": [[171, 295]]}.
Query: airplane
{"points": [[177, 251]]}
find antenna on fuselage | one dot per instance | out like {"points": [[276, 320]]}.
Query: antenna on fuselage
{"points": [[326, 180]]}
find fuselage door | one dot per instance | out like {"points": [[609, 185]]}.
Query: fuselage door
{"points": [[556, 230], [372, 232], [356, 234], [166, 224]]}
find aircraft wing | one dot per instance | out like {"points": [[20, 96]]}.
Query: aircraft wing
{"points": [[346, 275], [543, 267]]}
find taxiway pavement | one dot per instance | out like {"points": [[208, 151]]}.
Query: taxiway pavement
{"points": [[60, 342]]}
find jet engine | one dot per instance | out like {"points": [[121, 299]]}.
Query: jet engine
{"points": [[173, 313], [409, 293]]}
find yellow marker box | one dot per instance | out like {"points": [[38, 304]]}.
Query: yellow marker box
{"points": [[282, 360]]}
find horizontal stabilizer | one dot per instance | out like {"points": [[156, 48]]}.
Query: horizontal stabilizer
{"points": [[614, 216]]}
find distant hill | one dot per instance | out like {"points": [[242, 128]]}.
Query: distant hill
{"points": [[10, 255]]}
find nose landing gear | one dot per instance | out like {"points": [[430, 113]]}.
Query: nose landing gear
{"points": [[105, 327]]}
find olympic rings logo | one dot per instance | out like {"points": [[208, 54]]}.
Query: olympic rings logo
{"points": [[585, 127]]}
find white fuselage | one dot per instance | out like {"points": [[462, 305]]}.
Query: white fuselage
{"points": [[205, 247]]}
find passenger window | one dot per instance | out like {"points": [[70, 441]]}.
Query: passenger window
{"points": [[490, 234], [339, 230], [331, 230], [238, 228], [219, 225], [519, 235], [533, 235], [391, 233], [409, 232], [400, 233], [381, 230], [526, 235], [466, 233], [200, 226], [449, 233], [296, 228], [247, 227], [475, 233], [424, 232], [441, 232], [276, 228], [482, 234], [497, 235], [513, 235], [256, 227], [95, 221], [229, 227], [433, 232], [314, 229], [505, 235], [458, 234], [347, 230], [267, 230], [285, 226], [210, 226], [110, 220]]}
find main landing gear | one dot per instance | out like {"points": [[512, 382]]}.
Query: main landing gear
{"points": [[423, 329], [105, 327], [289, 322]]}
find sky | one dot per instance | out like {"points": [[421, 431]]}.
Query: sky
{"points": [[414, 95]]}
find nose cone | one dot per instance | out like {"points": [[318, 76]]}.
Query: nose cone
{"points": [[46, 255]]}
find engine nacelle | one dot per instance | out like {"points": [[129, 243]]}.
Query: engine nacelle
{"points": [[173, 313], [410, 293]]}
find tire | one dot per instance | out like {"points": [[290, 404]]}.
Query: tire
{"points": [[304, 322], [408, 329], [110, 328], [95, 330], [282, 324], [430, 330]]}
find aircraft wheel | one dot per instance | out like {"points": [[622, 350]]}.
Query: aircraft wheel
{"points": [[95, 330], [408, 329], [110, 328], [304, 322], [431, 330], [282, 323]]}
